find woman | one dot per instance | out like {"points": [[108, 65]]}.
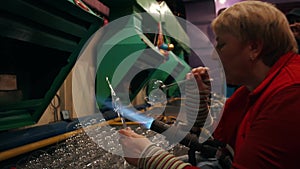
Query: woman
{"points": [[261, 119]]}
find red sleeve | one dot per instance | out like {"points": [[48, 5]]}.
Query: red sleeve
{"points": [[273, 138]]}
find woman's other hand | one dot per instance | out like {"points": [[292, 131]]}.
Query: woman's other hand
{"points": [[133, 145]]}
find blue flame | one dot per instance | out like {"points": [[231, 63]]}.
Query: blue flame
{"points": [[133, 116], [129, 113]]}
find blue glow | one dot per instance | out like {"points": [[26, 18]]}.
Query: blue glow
{"points": [[133, 116], [130, 114]]}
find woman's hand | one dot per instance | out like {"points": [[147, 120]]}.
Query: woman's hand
{"points": [[133, 145], [202, 78]]}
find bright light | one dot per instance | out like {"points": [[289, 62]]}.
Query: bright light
{"points": [[222, 1], [154, 8], [158, 8], [163, 7]]}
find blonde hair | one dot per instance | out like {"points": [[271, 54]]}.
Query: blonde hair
{"points": [[257, 20]]}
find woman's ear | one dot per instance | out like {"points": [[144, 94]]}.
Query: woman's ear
{"points": [[255, 47]]}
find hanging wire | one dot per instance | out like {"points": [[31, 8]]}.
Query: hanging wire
{"points": [[155, 38], [55, 106]]}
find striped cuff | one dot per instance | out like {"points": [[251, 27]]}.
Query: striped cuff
{"points": [[156, 158]]}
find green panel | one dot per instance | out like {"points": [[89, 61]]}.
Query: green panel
{"points": [[37, 12], [40, 42], [110, 63], [134, 53], [162, 68], [162, 71], [16, 119], [15, 30], [23, 105]]}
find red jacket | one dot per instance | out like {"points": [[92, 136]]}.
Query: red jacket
{"points": [[263, 126]]}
